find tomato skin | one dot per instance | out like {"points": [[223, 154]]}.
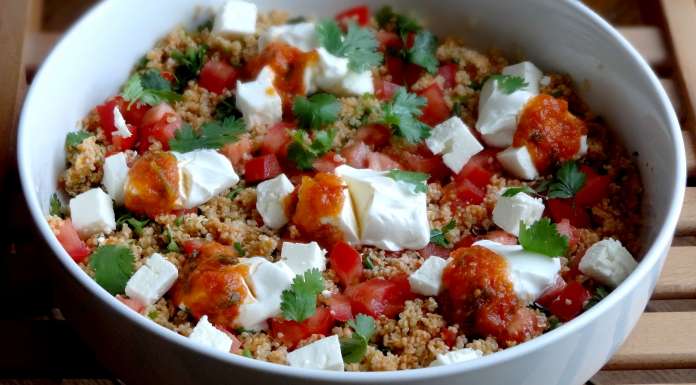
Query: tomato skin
{"points": [[385, 90], [381, 162], [569, 302], [560, 209], [552, 292], [359, 14], [565, 228], [119, 143], [277, 139], [356, 154], [71, 242], [449, 74], [501, 237], [328, 162], [291, 332], [217, 76], [396, 68], [135, 305], [434, 250], [389, 41], [436, 110], [376, 135], [595, 189], [380, 296], [463, 193], [466, 241], [339, 306], [261, 168], [106, 117], [346, 263], [132, 113], [238, 152], [479, 169], [159, 123]]}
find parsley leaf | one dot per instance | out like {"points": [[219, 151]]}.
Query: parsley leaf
{"points": [[401, 114], [189, 65], [404, 24], [133, 222], [113, 266], [353, 348], [150, 88], [509, 84], [569, 180], [543, 237], [303, 152], [235, 191], [437, 236], [73, 139], [55, 207], [600, 294], [417, 179], [171, 243], [512, 191], [316, 111], [367, 262], [247, 353], [212, 135], [359, 45], [240, 249], [423, 51], [227, 108], [299, 302]]}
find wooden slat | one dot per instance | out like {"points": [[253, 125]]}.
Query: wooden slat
{"points": [[687, 219], [38, 45], [678, 279], [625, 377], [659, 341], [674, 96], [649, 42], [690, 153]]}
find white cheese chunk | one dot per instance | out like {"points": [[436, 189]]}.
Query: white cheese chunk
{"points": [[427, 280], [391, 214], [115, 175], [324, 354], [92, 212], [259, 101], [583, 147], [453, 139], [120, 124], [608, 262], [236, 18], [456, 356], [203, 174], [301, 36], [499, 111], [509, 211], [300, 257], [345, 221], [270, 200], [518, 162], [355, 84], [267, 281], [530, 273], [152, 280], [208, 335]]}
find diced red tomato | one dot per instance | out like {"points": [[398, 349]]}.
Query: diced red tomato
{"points": [[261, 168], [71, 242], [436, 110], [339, 305], [381, 162], [292, 332], [389, 40], [106, 117], [168, 76], [356, 154], [328, 162], [217, 76], [569, 302], [191, 246], [376, 135], [466, 241], [501, 237], [346, 263], [560, 209], [160, 123], [238, 152], [463, 193], [480, 168], [396, 68], [429, 164], [133, 113], [359, 14], [449, 336], [236, 347], [552, 292], [380, 296], [565, 228], [385, 90], [134, 304], [412, 72], [432, 249], [449, 74], [410, 40], [119, 143], [276, 139], [595, 189]]}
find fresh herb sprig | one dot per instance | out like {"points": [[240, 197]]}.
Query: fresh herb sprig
{"points": [[303, 151], [113, 267], [136, 224], [422, 53], [73, 139], [149, 87], [213, 135], [359, 45], [438, 236], [512, 191], [543, 237], [508, 84], [189, 64], [316, 111], [353, 348], [401, 115], [55, 207], [403, 24], [567, 182], [416, 179], [299, 302]]}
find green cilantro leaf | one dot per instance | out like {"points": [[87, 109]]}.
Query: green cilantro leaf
{"points": [[240, 249], [113, 266], [437, 236], [600, 294], [512, 191], [367, 262], [353, 348], [423, 51], [316, 111], [543, 237], [296, 20], [212, 135], [363, 325], [73, 139], [299, 302], [359, 45], [303, 152], [189, 65], [235, 191], [416, 179], [569, 180], [153, 314], [385, 16], [206, 24], [171, 243], [227, 108], [401, 114], [247, 353], [509, 84], [136, 224], [150, 88], [55, 207]]}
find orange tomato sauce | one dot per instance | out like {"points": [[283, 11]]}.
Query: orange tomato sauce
{"points": [[152, 187], [319, 197], [549, 131]]}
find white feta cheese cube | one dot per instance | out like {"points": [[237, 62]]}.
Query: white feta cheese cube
{"points": [[330, 70], [259, 101], [208, 335], [324, 354], [509, 211], [300, 257], [236, 18], [427, 280], [120, 124], [115, 175], [203, 174], [518, 162], [301, 36], [92, 212], [453, 139], [267, 281], [499, 111], [152, 280], [608, 262], [530, 273], [270, 200], [345, 221], [456, 356], [391, 215], [355, 84]]}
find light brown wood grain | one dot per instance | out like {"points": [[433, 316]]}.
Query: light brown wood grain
{"points": [[674, 96], [678, 279], [38, 46], [687, 219], [690, 152], [649, 42]]}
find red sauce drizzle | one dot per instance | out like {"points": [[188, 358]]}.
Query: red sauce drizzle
{"points": [[152, 187], [319, 197]]}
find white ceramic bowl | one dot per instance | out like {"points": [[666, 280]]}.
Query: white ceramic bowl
{"points": [[96, 55]]}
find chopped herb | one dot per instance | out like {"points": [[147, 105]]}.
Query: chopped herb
{"points": [[240, 249], [404, 24], [437, 236], [509, 84], [542, 186], [235, 191], [359, 45], [113, 266], [353, 348], [227, 108], [554, 322], [569, 180], [303, 152], [179, 220], [247, 353], [296, 20], [416, 179], [55, 207], [153, 314], [207, 24], [367, 262], [423, 51], [73, 139], [299, 302], [171, 243], [457, 109], [543, 237], [401, 113], [241, 330], [316, 111], [150, 88], [136, 224], [600, 294], [212, 135], [189, 65], [512, 191]]}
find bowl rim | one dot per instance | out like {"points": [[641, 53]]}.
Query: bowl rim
{"points": [[652, 256]]}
